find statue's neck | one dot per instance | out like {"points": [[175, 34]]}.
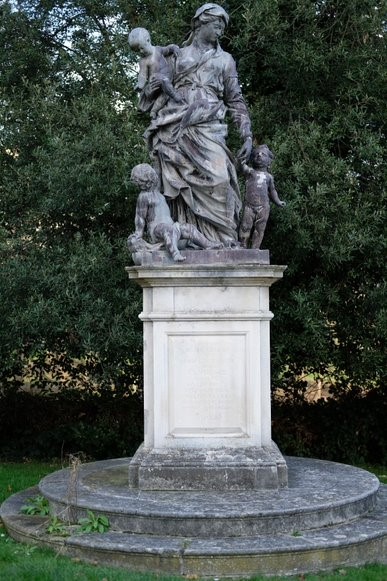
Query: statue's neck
{"points": [[202, 45]]}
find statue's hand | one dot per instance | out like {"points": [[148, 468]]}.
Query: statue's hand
{"points": [[245, 151], [174, 49], [154, 85]]}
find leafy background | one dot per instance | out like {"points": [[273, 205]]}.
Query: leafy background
{"points": [[313, 75]]}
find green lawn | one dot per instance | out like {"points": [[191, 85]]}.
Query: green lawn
{"points": [[25, 563]]}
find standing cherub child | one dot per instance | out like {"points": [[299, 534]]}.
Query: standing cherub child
{"points": [[153, 215], [154, 67], [259, 190]]}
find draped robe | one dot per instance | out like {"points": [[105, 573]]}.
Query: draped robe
{"points": [[188, 143]]}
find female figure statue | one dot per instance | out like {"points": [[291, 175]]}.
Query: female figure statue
{"points": [[187, 139]]}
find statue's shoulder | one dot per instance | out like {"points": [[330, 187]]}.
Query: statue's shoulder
{"points": [[226, 55], [185, 51], [227, 59]]}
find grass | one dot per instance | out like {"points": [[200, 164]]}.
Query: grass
{"points": [[380, 471], [29, 563], [16, 476]]}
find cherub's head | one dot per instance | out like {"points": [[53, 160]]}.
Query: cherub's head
{"points": [[261, 157], [140, 41], [144, 176]]}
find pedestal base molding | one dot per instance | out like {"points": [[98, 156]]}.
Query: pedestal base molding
{"points": [[219, 469]]}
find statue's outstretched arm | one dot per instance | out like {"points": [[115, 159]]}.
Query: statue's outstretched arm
{"points": [[236, 105]]}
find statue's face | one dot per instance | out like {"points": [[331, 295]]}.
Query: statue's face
{"points": [[211, 31], [143, 182], [261, 158], [144, 47]]}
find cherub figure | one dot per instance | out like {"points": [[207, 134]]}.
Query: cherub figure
{"points": [[153, 215], [259, 190], [154, 66]]}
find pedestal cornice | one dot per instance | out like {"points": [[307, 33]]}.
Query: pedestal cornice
{"points": [[206, 275]]}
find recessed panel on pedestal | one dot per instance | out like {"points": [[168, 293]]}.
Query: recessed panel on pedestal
{"points": [[207, 388]]}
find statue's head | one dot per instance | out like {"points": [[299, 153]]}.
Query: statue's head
{"points": [[204, 16], [261, 156], [139, 40], [207, 13], [144, 176]]}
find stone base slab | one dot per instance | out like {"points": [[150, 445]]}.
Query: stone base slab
{"points": [[198, 469], [319, 494], [223, 256], [329, 516]]}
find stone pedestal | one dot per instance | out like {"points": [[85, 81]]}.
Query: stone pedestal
{"points": [[207, 375]]}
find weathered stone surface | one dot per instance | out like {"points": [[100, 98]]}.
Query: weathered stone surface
{"points": [[246, 273], [360, 539], [222, 256], [260, 190], [187, 133], [202, 469], [319, 494], [353, 543], [207, 377]]}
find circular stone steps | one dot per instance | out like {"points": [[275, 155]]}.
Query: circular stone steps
{"points": [[319, 494], [331, 515]]}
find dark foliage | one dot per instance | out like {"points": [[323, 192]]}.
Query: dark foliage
{"points": [[313, 74], [55, 426], [350, 429]]}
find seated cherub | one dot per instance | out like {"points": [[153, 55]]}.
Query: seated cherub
{"points": [[154, 217], [154, 68], [259, 190]]}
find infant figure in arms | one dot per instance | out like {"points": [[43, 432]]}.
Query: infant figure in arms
{"points": [[154, 65]]}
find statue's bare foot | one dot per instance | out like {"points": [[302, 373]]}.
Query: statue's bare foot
{"points": [[177, 257], [214, 245]]}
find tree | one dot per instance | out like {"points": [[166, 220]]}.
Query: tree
{"points": [[314, 78], [316, 88]]}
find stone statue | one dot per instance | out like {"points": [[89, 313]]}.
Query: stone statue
{"points": [[187, 135], [259, 190], [154, 66], [154, 217]]}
